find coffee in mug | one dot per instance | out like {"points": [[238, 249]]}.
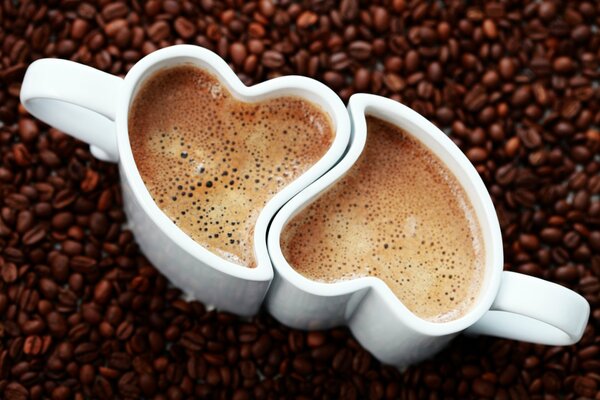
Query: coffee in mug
{"points": [[211, 161], [400, 215]]}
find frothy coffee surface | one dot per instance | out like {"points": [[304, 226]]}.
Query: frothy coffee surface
{"points": [[399, 215], [211, 162]]}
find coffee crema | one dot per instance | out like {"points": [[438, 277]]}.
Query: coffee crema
{"points": [[211, 162], [400, 215]]}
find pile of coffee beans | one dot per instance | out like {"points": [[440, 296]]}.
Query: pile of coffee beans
{"points": [[84, 315]]}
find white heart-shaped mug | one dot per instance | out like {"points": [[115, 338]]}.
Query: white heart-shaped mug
{"points": [[509, 305], [93, 106]]}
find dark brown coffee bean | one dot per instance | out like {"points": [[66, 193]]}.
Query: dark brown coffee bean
{"points": [[362, 79], [50, 158], [24, 221], [56, 324], [435, 72], [306, 19], [489, 29], [333, 79], [184, 27], [61, 393], [349, 9], [302, 365], [120, 361], [6, 175], [158, 31], [477, 154], [33, 345], [34, 235], [585, 387], [360, 50], [589, 352], [483, 388], [272, 59], [86, 374], [594, 240], [63, 199], [15, 391], [16, 201], [62, 220], [102, 388], [192, 341], [566, 273], [530, 138], [563, 64], [28, 130], [33, 326], [82, 264], [433, 381], [551, 235], [393, 82], [102, 291], [21, 369], [9, 272], [507, 68], [124, 330], [508, 375], [547, 10], [115, 10], [79, 28], [90, 181], [86, 352], [72, 247], [521, 97]]}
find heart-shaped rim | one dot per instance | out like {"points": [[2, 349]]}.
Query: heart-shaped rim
{"points": [[419, 127], [304, 87]]}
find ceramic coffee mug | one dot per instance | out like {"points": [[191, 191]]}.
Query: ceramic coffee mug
{"points": [[93, 106], [509, 305]]}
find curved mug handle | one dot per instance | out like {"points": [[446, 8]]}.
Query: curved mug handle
{"points": [[77, 99], [534, 310]]}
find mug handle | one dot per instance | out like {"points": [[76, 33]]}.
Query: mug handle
{"points": [[534, 310], [77, 99]]}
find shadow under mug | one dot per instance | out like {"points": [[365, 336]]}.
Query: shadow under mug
{"points": [[509, 305], [93, 106]]}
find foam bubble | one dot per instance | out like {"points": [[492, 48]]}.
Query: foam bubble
{"points": [[212, 162], [400, 215]]}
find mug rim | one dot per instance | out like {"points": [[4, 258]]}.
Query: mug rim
{"points": [[361, 105], [218, 67]]}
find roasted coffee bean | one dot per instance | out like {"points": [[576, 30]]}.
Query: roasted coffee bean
{"points": [[273, 59], [115, 10], [9, 272], [585, 387], [34, 235], [184, 27], [86, 352], [15, 391], [33, 345], [102, 291], [360, 50], [28, 130]]}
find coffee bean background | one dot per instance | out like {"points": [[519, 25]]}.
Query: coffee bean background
{"points": [[84, 315]]}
